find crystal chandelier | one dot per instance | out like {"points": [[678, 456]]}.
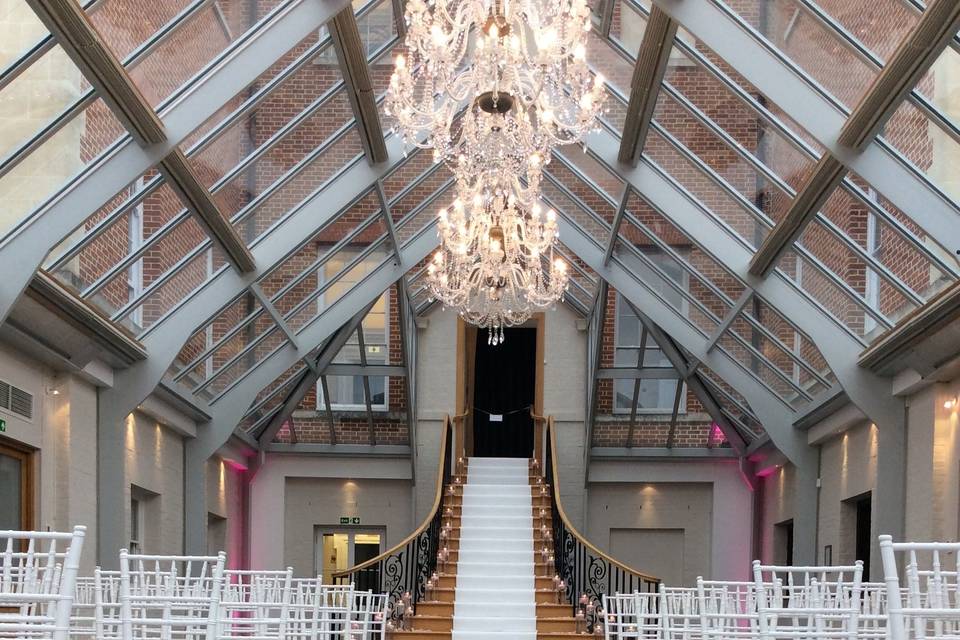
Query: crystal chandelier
{"points": [[492, 86], [490, 265]]}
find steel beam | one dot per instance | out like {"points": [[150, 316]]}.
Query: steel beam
{"points": [[230, 407], [647, 79], [906, 67], [375, 370], [30, 242], [892, 347], [79, 39], [718, 28], [818, 187], [679, 361], [729, 318], [769, 409], [639, 373], [868, 391], [356, 73], [308, 381], [165, 339], [617, 221], [274, 314], [182, 178]]}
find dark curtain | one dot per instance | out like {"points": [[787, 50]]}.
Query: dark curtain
{"points": [[504, 384]]}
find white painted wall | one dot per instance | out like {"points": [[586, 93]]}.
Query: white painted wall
{"points": [[63, 432], [616, 493], [154, 462], [331, 497]]}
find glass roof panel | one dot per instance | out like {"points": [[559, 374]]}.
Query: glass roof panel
{"points": [[303, 181], [722, 159], [271, 398], [852, 267], [136, 240], [760, 130], [816, 48], [627, 25], [720, 199], [809, 368], [758, 365], [926, 146], [332, 259], [835, 297], [168, 290], [232, 320], [56, 155], [36, 98], [424, 214], [296, 102], [663, 256], [195, 42], [878, 25], [22, 31], [900, 274], [940, 85], [124, 25]]}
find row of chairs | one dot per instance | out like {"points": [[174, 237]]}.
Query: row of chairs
{"points": [[169, 598], [804, 603]]}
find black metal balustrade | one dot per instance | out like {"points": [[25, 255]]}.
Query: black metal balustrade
{"points": [[402, 571], [584, 569]]}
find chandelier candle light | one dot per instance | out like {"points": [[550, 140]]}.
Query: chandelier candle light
{"points": [[492, 87]]}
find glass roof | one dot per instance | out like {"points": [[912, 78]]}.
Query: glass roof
{"points": [[285, 140]]}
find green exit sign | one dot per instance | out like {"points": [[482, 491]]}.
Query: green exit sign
{"points": [[3, 425], [349, 520]]}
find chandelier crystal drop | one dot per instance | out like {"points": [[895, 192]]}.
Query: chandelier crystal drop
{"points": [[490, 265], [492, 86]]}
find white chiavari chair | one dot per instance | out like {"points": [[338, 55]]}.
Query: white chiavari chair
{"points": [[320, 611], [927, 605], [680, 613], [38, 572], [256, 605], [170, 597], [368, 616], [872, 621], [621, 622], [808, 602], [727, 609]]}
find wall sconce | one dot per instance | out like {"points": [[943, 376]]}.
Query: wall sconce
{"points": [[951, 403]]}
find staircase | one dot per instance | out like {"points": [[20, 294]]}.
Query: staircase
{"points": [[496, 584]]}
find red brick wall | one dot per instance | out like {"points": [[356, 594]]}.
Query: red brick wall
{"points": [[124, 25]]}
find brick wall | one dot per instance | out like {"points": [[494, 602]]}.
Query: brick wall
{"points": [[124, 26]]}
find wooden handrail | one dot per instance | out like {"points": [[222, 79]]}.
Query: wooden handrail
{"points": [[551, 433], [447, 425]]}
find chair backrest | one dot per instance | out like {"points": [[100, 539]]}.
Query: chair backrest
{"points": [[170, 596], [620, 616], [38, 573], [817, 601], [927, 604], [368, 616], [319, 610], [680, 613], [727, 609], [256, 605]]}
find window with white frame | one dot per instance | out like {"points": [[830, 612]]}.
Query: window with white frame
{"points": [[656, 395], [136, 525], [347, 392]]}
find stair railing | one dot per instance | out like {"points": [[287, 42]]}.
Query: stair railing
{"points": [[583, 568], [403, 570]]}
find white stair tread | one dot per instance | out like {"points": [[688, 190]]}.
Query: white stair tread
{"points": [[495, 597]]}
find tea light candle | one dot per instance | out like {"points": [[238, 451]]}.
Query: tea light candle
{"points": [[584, 599]]}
